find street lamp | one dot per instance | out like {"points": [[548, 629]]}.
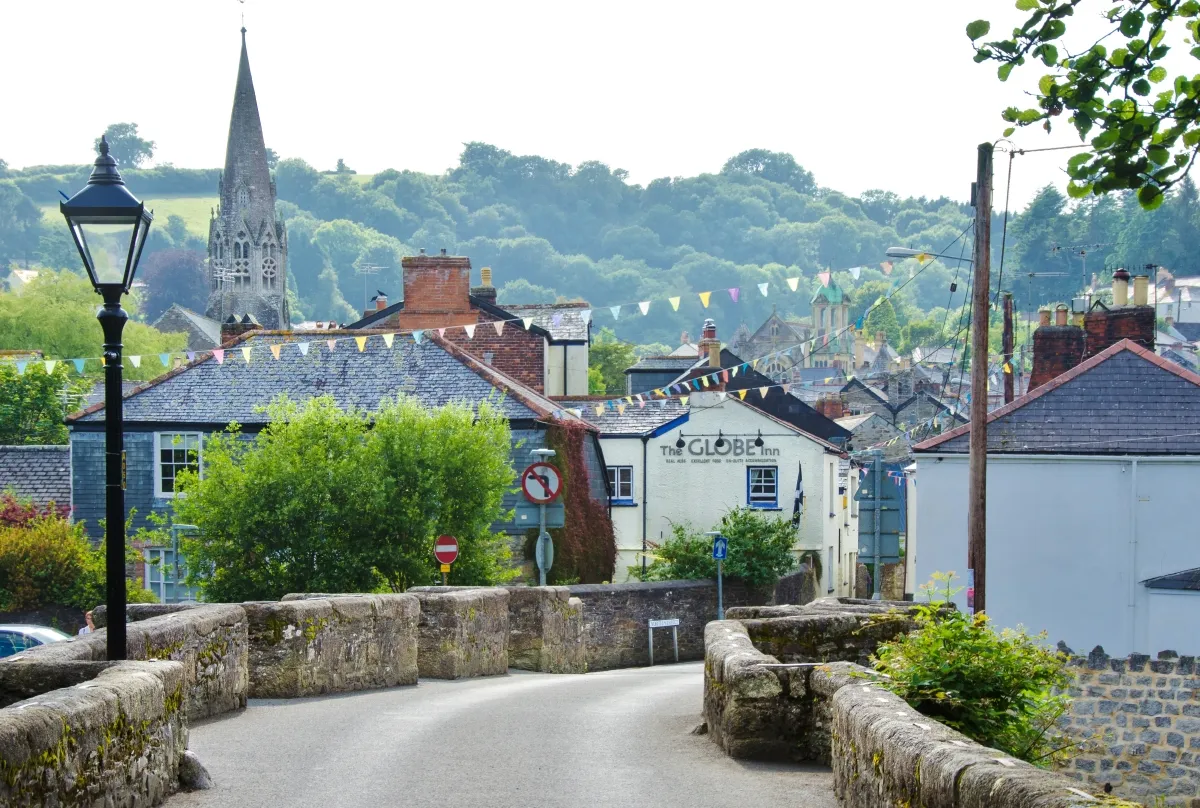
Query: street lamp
{"points": [[907, 252], [109, 226]]}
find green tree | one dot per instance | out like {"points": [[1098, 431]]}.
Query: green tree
{"points": [[173, 276], [334, 501], [883, 318], [611, 356], [34, 403], [760, 550], [774, 166], [20, 224], [125, 146], [1145, 126]]}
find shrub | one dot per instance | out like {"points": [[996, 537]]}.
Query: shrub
{"points": [[760, 550], [48, 562], [17, 512], [1000, 689]]}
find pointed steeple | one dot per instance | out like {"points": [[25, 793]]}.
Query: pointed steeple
{"points": [[246, 151]]}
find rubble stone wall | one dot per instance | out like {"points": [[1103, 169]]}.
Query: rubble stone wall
{"points": [[1139, 723], [463, 633], [545, 630], [115, 738], [210, 641], [332, 645]]}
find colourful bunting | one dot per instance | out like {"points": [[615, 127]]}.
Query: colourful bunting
{"points": [[441, 333], [332, 343], [725, 375], [586, 316], [786, 387], [794, 283], [823, 277], [499, 325], [418, 335], [855, 272], [219, 355], [683, 400], [762, 391], [50, 365], [735, 370], [388, 339], [246, 353], [599, 409], [21, 364], [556, 320], [165, 358], [470, 329], [644, 306], [886, 266], [704, 380], [275, 349], [742, 394], [528, 321], [674, 302], [620, 409], [641, 401], [136, 361], [733, 293], [79, 363], [1008, 368], [303, 346], [721, 394], [704, 297], [616, 311], [362, 343], [762, 287]]}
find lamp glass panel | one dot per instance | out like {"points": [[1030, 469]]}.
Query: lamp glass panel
{"points": [[106, 244]]}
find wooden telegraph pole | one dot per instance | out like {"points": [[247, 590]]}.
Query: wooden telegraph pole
{"points": [[1008, 348], [977, 492]]}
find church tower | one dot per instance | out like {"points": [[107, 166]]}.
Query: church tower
{"points": [[247, 243]]}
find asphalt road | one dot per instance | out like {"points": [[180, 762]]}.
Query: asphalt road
{"points": [[619, 738]]}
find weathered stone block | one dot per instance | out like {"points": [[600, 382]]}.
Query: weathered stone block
{"points": [[545, 630], [463, 633], [335, 645]]}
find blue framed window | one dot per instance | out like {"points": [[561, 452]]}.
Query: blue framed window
{"points": [[762, 486], [620, 482]]}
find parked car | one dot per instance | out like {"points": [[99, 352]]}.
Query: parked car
{"points": [[17, 638]]}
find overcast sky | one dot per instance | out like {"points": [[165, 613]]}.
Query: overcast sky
{"points": [[875, 94]]}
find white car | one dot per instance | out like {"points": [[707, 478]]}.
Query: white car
{"points": [[17, 638]]}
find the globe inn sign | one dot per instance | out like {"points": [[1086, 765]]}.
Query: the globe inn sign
{"points": [[707, 450]]}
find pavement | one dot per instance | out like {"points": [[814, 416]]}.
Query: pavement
{"points": [[614, 738]]}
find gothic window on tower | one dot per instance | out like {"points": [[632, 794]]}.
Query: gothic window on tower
{"points": [[243, 196], [269, 273], [241, 263]]}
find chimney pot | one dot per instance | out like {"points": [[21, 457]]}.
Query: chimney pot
{"points": [[1060, 314], [1120, 288], [485, 276], [422, 251], [1043, 317], [1141, 285], [381, 303], [443, 250]]}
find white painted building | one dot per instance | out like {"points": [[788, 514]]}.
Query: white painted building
{"points": [[1090, 532], [673, 464]]}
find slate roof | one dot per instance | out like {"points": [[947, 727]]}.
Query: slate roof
{"points": [[662, 363], [853, 422], [41, 473], [634, 421], [435, 372], [1190, 331], [564, 321], [1125, 400], [1187, 580]]}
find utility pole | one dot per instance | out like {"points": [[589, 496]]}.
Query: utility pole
{"points": [[977, 492], [1008, 348]]}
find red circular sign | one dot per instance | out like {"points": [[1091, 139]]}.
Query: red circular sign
{"points": [[541, 483], [445, 549]]}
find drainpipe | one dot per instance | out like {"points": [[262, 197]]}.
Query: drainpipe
{"points": [[645, 445], [1133, 526]]}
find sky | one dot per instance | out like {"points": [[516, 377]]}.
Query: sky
{"points": [[875, 94]]}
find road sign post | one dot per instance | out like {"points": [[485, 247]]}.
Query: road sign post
{"points": [[880, 521], [720, 551], [541, 482], [445, 550]]}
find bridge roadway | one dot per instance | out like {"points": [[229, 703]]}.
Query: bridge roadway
{"points": [[616, 738]]}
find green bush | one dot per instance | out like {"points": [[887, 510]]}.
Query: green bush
{"points": [[760, 550], [1003, 689]]}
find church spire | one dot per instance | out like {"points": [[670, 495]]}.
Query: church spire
{"points": [[246, 151]]}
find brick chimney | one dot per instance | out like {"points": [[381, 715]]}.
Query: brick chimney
{"points": [[485, 291], [710, 346], [233, 327], [1056, 348], [436, 290], [860, 338], [381, 303]]}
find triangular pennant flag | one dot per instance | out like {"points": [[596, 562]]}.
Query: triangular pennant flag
{"points": [[79, 363], [886, 266], [470, 329], [704, 298], [641, 402], [388, 339], [136, 361], [21, 363], [721, 395], [499, 326], [616, 311], [859, 323], [165, 358], [276, 348], [528, 321], [586, 316], [191, 355], [219, 355], [754, 364], [855, 272], [362, 343], [418, 335], [762, 391], [620, 409], [922, 258], [303, 346], [674, 302], [724, 375], [628, 399], [246, 353], [50, 365], [332, 343], [794, 283], [733, 293], [442, 332], [644, 306], [599, 409], [786, 387], [762, 287], [742, 394], [704, 380], [556, 320], [824, 278], [103, 363], [683, 400], [696, 383], [1007, 368], [733, 373]]}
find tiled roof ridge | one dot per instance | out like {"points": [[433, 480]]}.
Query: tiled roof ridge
{"points": [[830, 446], [1059, 381], [576, 304], [26, 447]]}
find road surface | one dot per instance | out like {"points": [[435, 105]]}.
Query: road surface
{"points": [[617, 738]]}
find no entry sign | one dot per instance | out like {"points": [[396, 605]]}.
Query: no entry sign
{"points": [[445, 549], [542, 483]]}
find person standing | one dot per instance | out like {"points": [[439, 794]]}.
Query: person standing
{"points": [[90, 627]]}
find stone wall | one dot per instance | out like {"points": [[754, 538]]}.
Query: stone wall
{"points": [[115, 738], [545, 630], [1139, 721], [615, 616], [826, 630], [332, 645], [210, 641], [462, 633]]}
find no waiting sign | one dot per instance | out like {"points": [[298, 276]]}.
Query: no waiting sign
{"points": [[542, 483]]}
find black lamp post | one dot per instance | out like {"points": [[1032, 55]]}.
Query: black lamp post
{"points": [[109, 226]]}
